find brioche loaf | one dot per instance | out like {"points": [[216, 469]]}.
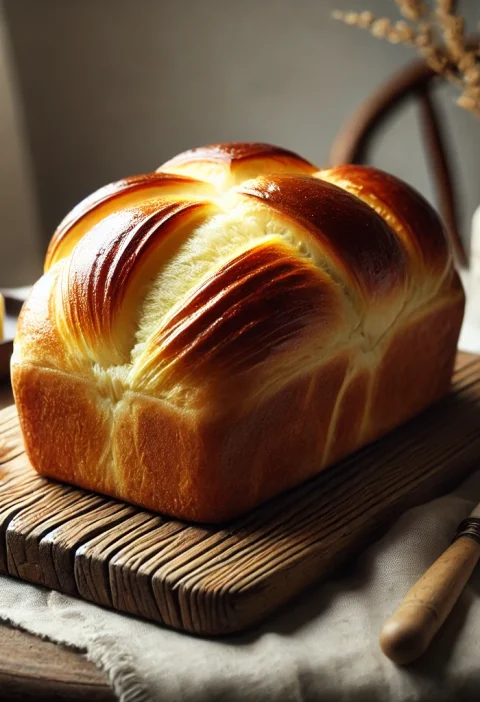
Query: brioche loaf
{"points": [[212, 334]]}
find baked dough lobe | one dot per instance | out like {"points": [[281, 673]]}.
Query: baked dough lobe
{"points": [[212, 334]]}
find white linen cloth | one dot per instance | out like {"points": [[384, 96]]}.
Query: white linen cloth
{"points": [[323, 646]]}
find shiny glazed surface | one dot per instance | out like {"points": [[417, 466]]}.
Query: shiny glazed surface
{"points": [[209, 335]]}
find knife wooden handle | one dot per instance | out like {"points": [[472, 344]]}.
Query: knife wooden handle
{"points": [[408, 633]]}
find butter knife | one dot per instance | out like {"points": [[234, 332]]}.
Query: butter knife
{"points": [[410, 630]]}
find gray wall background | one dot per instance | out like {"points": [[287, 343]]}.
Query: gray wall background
{"points": [[93, 90]]}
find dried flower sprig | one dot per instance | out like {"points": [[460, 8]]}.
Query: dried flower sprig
{"points": [[438, 35]]}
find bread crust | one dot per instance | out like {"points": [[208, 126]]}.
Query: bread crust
{"points": [[200, 379]]}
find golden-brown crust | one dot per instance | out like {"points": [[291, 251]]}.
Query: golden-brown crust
{"points": [[235, 153], [75, 426], [38, 335], [346, 431], [210, 468], [198, 346], [229, 164], [405, 364], [135, 190], [353, 238], [236, 319], [415, 222], [102, 285]]}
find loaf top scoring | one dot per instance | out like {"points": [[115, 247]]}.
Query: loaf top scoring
{"points": [[232, 261]]}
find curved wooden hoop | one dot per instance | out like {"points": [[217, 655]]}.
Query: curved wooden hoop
{"points": [[354, 139]]}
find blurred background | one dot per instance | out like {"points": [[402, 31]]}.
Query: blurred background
{"points": [[94, 90]]}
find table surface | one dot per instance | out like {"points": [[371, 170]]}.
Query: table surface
{"points": [[33, 669], [41, 671]]}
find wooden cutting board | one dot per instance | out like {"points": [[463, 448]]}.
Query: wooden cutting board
{"points": [[220, 579]]}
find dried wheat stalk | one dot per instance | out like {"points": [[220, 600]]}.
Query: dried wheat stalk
{"points": [[438, 35]]}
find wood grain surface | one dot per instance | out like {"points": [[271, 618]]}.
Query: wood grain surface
{"points": [[216, 580], [33, 670]]}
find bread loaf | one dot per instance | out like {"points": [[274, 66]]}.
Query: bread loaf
{"points": [[212, 334]]}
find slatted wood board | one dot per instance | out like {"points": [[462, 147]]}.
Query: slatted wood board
{"points": [[215, 580]]}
